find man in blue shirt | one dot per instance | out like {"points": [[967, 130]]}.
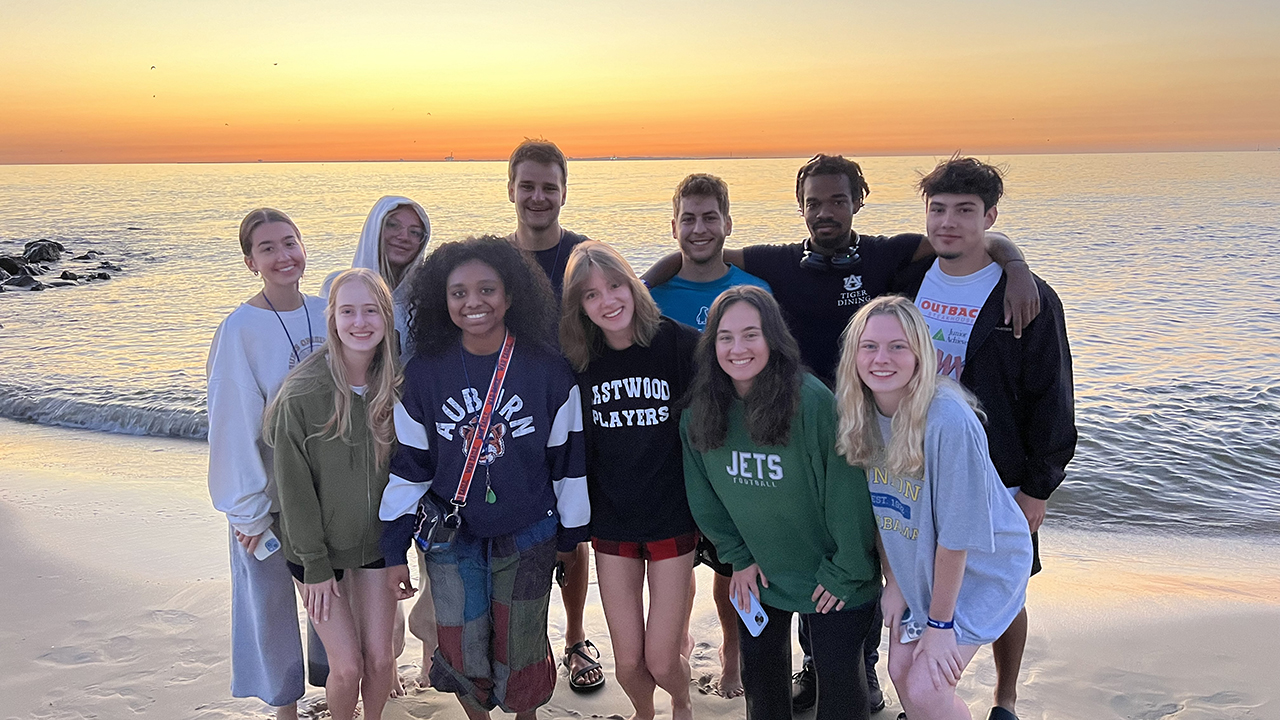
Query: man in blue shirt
{"points": [[700, 222]]}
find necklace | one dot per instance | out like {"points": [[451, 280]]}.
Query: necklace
{"points": [[292, 347], [490, 496]]}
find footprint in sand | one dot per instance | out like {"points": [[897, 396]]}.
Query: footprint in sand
{"points": [[173, 620], [71, 655]]}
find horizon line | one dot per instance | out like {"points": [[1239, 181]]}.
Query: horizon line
{"points": [[620, 158]]}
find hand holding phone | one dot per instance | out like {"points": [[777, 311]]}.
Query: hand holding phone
{"points": [[754, 617], [268, 543]]}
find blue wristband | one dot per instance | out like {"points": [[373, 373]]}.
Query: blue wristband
{"points": [[940, 625]]}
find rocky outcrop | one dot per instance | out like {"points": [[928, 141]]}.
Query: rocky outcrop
{"points": [[21, 272], [38, 251], [23, 282]]}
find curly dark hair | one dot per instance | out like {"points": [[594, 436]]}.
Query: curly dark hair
{"points": [[821, 164], [532, 314], [774, 396]]}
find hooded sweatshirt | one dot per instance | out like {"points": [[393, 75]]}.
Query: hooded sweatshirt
{"points": [[367, 253]]}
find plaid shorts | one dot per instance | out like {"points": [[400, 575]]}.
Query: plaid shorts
{"points": [[652, 550], [491, 597]]}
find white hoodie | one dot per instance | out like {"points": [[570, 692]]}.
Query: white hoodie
{"points": [[367, 251]]}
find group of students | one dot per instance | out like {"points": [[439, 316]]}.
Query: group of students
{"points": [[694, 423]]}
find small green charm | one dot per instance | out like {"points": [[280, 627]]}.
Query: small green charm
{"points": [[490, 497]]}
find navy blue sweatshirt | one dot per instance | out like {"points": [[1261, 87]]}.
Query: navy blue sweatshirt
{"points": [[534, 457]]}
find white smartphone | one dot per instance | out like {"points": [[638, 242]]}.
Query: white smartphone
{"points": [[755, 618], [267, 544], [911, 630]]}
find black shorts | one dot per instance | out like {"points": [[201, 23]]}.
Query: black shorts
{"points": [[297, 570], [706, 554], [1035, 553]]}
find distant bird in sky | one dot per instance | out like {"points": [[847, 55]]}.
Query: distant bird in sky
{"points": [[153, 67]]}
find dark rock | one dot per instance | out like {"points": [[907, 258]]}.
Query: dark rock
{"points": [[43, 251], [102, 275], [92, 254], [130, 227], [68, 275], [12, 264], [61, 283], [4, 275], [24, 281], [33, 270], [108, 265]]}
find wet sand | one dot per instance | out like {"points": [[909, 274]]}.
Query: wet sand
{"points": [[116, 605]]}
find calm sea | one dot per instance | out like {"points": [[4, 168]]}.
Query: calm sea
{"points": [[1165, 263]]}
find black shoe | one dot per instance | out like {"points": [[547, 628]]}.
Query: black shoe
{"points": [[804, 689], [875, 696]]}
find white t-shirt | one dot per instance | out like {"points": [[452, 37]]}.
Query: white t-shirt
{"points": [[950, 304]]}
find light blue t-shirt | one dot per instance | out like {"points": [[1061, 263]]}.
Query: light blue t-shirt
{"points": [[960, 504], [688, 302]]}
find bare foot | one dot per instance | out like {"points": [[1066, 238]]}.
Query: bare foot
{"points": [[397, 685], [730, 685], [287, 712]]}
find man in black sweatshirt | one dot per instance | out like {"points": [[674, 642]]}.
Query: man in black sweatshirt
{"points": [[1024, 383]]}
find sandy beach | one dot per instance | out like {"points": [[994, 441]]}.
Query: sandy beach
{"points": [[116, 606]]}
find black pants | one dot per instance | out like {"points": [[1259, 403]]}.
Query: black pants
{"points": [[842, 681], [870, 647]]}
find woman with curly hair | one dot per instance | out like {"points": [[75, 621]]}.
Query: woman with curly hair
{"points": [[490, 432], [767, 486]]}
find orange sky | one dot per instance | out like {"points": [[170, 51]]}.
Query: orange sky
{"points": [[318, 80]]}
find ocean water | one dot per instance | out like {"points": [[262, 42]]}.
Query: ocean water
{"points": [[1165, 264]]}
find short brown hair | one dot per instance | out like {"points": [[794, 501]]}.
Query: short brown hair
{"points": [[964, 176], [540, 150], [257, 218], [702, 185], [834, 165]]}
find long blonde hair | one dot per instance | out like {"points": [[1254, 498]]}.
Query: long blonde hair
{"points": [[858, 435], [326, 366], [579, 337]]}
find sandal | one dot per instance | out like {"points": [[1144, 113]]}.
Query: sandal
{"points": [[575, 678]]}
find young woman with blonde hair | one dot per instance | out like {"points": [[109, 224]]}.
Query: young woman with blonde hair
{"points": [[392, 243], [333, 432], [956, 548], [633, 367]]}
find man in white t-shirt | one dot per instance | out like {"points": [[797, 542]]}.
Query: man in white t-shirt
{"points": [[1024, 383]]}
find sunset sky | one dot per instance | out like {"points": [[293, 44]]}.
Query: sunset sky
{"points": [[150, 81]]}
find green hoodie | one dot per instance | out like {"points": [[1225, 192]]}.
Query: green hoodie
{"points": [[329, 490], [799, 511]]}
